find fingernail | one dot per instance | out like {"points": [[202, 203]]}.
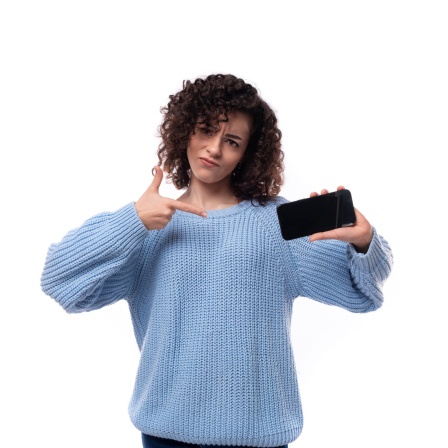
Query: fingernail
{"points": [[204, 215]]}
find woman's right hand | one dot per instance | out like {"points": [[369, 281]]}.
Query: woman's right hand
{"points": [[360, 234], [156, 211]]}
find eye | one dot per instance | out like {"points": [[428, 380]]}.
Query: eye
{"points": [[233, 143], [205, 131]]}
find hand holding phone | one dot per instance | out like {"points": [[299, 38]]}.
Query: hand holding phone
{"points": [[316, 214]]}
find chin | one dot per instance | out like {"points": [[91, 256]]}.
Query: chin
{"points": [[210, 179]]}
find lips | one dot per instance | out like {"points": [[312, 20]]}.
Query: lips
{"points": [[208, 162]]}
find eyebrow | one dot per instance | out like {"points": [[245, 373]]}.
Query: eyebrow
{"points": [[236, 137]]}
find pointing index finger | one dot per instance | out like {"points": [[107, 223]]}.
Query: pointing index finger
{"points": [[178, 205]]}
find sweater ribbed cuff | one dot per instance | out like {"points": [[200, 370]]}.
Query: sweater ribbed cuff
{"points": [[126, 224], [374, 260]]}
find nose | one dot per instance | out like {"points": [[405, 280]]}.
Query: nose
{"points": [[214, 146]]}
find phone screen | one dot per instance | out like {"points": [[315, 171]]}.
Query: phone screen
{"points": [[317, 214]]}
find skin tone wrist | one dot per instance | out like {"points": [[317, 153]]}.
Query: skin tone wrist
{"points": [[363, 246]]}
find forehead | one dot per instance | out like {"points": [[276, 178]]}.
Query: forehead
{"points": [[240, 121], [236, 122]]}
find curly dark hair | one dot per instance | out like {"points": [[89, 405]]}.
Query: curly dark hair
{"points": [[260, 172]]}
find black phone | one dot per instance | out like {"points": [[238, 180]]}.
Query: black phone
{"points": [[316, 214]]}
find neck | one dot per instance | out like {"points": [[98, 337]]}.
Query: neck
{"points": [[209, 196]]}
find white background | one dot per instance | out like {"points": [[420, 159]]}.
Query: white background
{"points": [[360, 90]]}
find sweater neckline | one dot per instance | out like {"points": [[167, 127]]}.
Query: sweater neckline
{"points": [[220, 213]]}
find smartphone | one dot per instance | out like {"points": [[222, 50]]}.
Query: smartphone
{"points": [[317, 214]]}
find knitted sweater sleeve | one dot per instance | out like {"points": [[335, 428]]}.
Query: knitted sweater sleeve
{"points": [[332, 272], [94, 265]]}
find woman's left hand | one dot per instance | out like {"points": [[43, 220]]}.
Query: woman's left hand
{"points": [[360, 234]]}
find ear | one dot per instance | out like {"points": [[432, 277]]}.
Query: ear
{"points": [[244, 158], [237, 168]]}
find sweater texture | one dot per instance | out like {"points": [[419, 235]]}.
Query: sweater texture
{"points": [[211, 302]]}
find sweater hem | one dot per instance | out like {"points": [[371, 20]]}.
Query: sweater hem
{"points": [[269, 440]]}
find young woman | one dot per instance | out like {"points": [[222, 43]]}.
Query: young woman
{"points": [[209, 280]]}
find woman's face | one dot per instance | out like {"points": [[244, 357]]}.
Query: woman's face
{"points": [[213, 155]]}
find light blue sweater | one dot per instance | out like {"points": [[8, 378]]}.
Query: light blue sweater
{"points": [[211, 302]]}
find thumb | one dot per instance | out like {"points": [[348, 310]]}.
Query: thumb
{"points": [[158, 177]]}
